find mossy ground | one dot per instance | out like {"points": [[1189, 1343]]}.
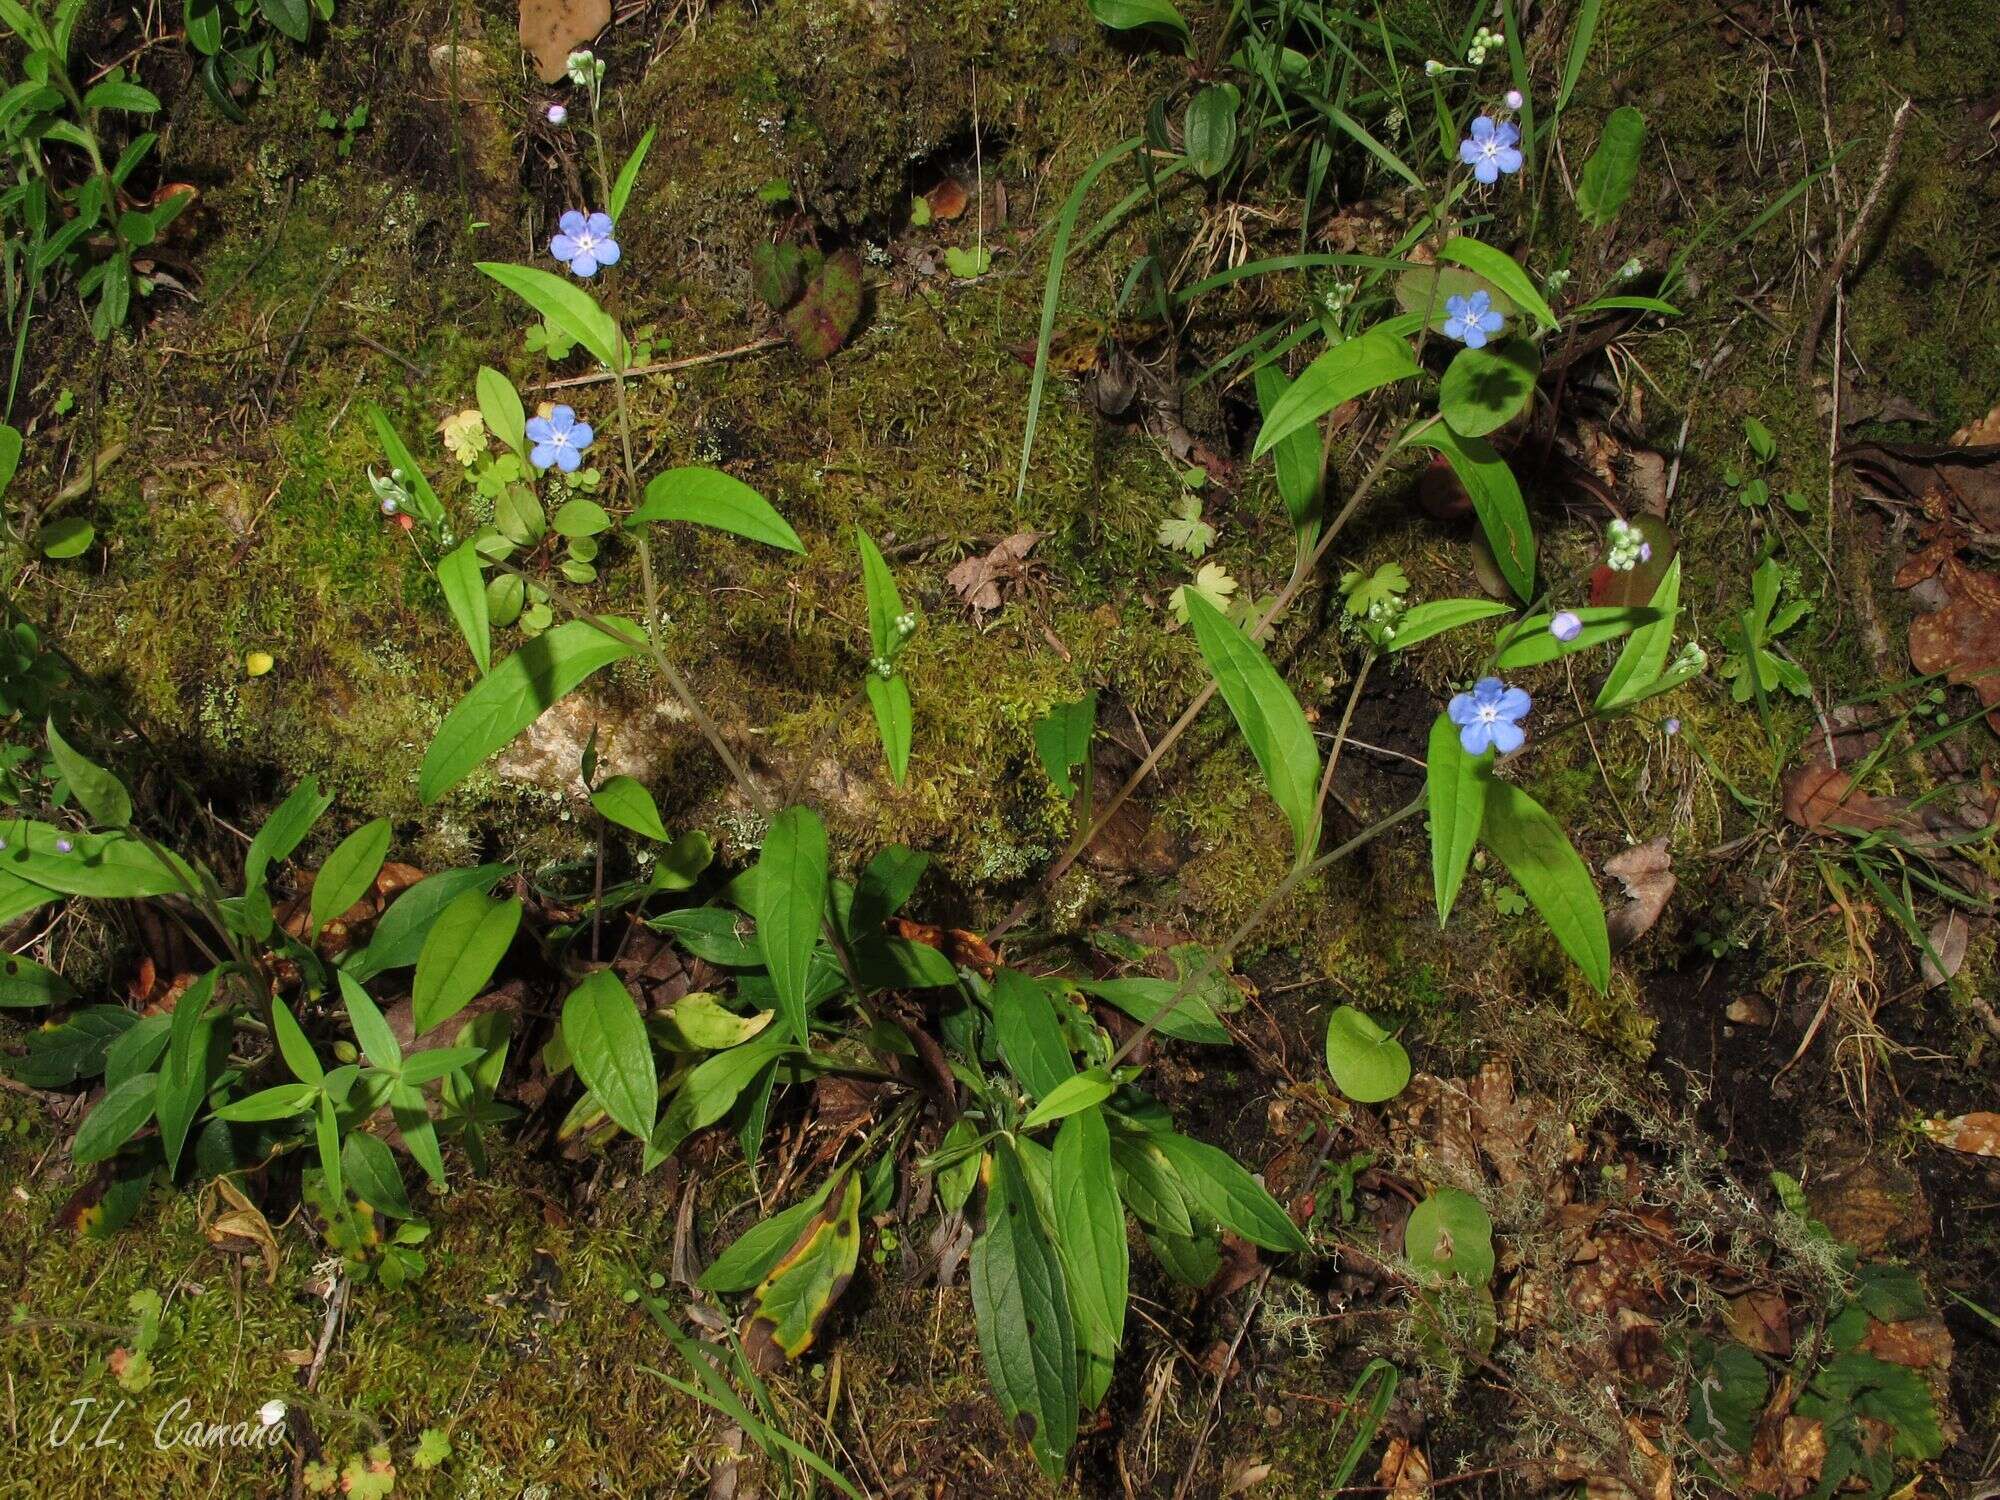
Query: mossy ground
{"points": [[240, 520]]}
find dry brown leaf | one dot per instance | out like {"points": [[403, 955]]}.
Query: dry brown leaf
{"points": [[1825, 800], [1918, 1343], [978, 580], [948, 199], [1647, 873], [1404, 1470], [552, 29], [1947, 937], [1976, 1134], [1962, 640], [1974, 434], [240, 1227], [1872, 1204], [1786, 1461], [1762, 1321]]}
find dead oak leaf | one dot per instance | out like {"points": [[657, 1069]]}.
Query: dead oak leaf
{"points": [[1976, 1134], [1825, 800], [1647, 873], [978, 581], [1962, 640]]}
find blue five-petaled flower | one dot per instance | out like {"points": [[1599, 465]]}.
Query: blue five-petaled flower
{"points": [[559, 439], [1492, 148], [1489, 716], [585, 243], [1471, 319]]}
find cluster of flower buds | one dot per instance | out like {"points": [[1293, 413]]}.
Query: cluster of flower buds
{"points": [[1628, 547], [389, 493], [1485, 40]]}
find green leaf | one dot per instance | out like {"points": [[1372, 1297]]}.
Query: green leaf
{"points": [[1613, 167], [566, 306], [1355, 131], [1368, 1064], [371, 1028], [1148, 1184], [894, 721], [278, 1103], [1485, 389], [794, 1298], [121, 1114], [1345, 371], [1192, 1019], [1209, 131], [1500, 268], [1422, 621], [1095, 1257], [884, 599], [284, 830], [464, 588], [500, 404], [628, 175], [791, 891], [709, 497], [373, 1176], [825, 317], [1644, 658], [681, 863], [1272, 722], [1551, 874], [1081, 1091], [1529, 644], [349, 871], [107, 865], [580, 518], [1021, 1301], [436, 1062], [399, 935], [1030, 1037], [1496, 499], [293, 1046], [24, 983], [129, 97], [71, 1050], [184, 1074], [1229, 1195], [419, 488], [292, 17], [137, 1050], [1062, 740], [711, 1091], [625, 802], [515, 694], [67, 537], [607, 1041], [97, 791], [1295, 456], [750, 1257], [459, 954], [1449, 1234], [1128, 15], [1455, 785], [10, 436]]}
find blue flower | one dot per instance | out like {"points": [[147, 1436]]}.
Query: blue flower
{"points": [[559, 439], [1492, 148], [1566, 626], [585, 242], [1471, 319], [1489, 716]]}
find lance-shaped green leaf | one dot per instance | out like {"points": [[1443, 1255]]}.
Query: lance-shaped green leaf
{"points": [[464, 587], [111, 866], [628, 175], [418, 488], [1422, 621], [709, 497], [790, 907], [24, 983], [1096, 1259], [1272, 722], [399, 935], [1455, 787], [349, 871], [184, 1073], [1496, 500], [1225, 1192], [371, 1171], [500, 405], [1644, 658], [121, 1114], [1613, 167], [97, 791], [566, 306], [284, 830], [749, 1258], [794, 1299], [1021, 1301], [1030, 1037], [1343, 372], [607, 1041], [1296, 456], [1533, 847], [711, 1090], [515, 694], [460, 953], [1500, 268], [1529, 643], [888, 696], [1062, 741], [627, 803], [1084, 1090]]}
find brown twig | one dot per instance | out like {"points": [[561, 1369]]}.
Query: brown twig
{"points": [[1829, 283], [668, 366]]}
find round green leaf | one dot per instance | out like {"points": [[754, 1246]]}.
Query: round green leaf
{"points": [[1484, 389], [67, 536], [1368, 1064], [1449, 1234]]}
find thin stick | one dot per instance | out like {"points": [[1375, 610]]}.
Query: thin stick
{"points": [[1837, 267], [667, 366]]}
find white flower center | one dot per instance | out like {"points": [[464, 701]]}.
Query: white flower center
{"points": [[1489, 714], [559, 437], [585, 243], [1492, 147]]}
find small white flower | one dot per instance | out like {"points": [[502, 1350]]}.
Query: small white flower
{"points": [[271, 1413], [557, 114], [1433, 68], [1514, 99]]}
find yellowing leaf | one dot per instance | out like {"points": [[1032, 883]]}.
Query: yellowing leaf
{"points": [[794, 1299]]}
